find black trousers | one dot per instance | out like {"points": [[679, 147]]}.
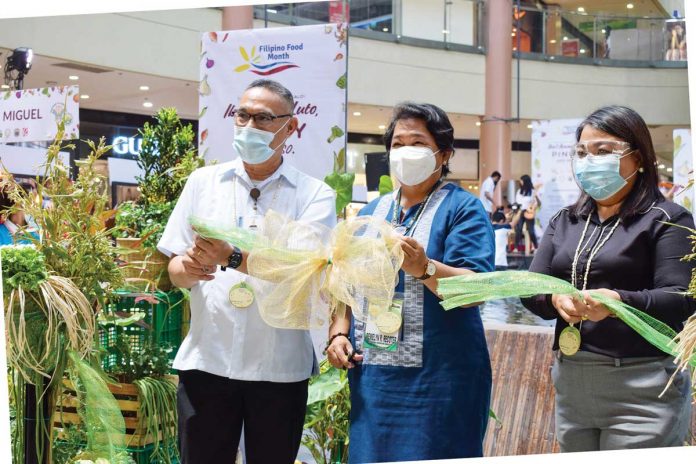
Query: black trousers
{"points": [[212, 410], [519, 236]]}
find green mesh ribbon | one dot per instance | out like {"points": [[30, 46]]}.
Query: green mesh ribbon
{"points": [[475, 288], [102, 417], [237, 236]]}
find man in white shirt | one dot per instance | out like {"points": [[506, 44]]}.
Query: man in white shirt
{"points": [[487, 189], [234, 369]]}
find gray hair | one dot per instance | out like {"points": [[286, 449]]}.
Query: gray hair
{"points": [[277, 88]]}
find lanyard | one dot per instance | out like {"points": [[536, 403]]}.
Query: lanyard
{"points": [[411, 227]]}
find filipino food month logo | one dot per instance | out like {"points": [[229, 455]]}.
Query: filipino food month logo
{"points": [[277, 59]]}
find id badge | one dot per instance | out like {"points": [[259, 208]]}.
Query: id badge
{"points": [[383, 327], [251, 222]]}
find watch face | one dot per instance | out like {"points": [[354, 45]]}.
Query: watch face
{"points": [[430, 269], [235, 259]]}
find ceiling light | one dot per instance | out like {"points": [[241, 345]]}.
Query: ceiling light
{"points": [[144, 88], [382, 127], [582, 50], [4, 86], [553, 41], [270, 10], [357, 113], [74, 78], [604, 31], [662, 166], [629, 6], [478, 123], [147, 104], [445, 31], [513, 34], [385, 29], [529, 126], [565, 38], [669, 169], [84, 96], [581, 9]]}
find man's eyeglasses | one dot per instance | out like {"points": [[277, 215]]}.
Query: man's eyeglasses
{"points": [[600, 148], [242, 118]]}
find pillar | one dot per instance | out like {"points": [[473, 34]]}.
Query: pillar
{"points": [[496, 145], [237, 17]]}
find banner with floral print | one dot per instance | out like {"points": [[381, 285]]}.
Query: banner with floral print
{"points": [[309, 60], [32, 115]]}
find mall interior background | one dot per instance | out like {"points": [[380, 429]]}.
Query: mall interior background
{"points": [[574, 56]]}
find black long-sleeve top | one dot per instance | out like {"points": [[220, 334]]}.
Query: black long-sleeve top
{"points": [[641, 261]]}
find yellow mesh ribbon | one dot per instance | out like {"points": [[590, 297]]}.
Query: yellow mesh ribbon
{"points": [[308, 272]]}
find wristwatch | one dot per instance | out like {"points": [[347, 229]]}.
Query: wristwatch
{"points": [[235, 259], [430, 270]]}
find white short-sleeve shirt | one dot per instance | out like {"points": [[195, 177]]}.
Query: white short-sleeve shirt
{"points": [[224, 340], [488, 186]]}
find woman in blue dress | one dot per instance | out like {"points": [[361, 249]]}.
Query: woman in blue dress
{"points": [[427, 395]]}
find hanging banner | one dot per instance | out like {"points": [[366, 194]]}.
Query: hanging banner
{"points": [[309, 60], [32, 115], [682, 165], [552, 172]]}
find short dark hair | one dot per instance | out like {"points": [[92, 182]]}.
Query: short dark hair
{"points": [[496, 174], [626, 124], [436, 121], [277, 88], [498, 216]]}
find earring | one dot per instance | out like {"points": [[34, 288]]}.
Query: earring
{"points": [[641, 170]]}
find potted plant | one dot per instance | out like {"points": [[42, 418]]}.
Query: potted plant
{"points": [[146, 396], [167, 157], [54, 288], [327, 417]]}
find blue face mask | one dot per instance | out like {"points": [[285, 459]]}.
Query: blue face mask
{"points": [[253, 145], [599, 176]]}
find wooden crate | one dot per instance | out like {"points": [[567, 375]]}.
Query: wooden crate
{"points": [[128, 401]]}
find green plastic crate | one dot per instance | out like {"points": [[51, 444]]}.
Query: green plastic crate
{"points": [[163, 314], [142, 455]]}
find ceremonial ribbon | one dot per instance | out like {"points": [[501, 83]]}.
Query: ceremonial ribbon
{"points": [[308, 272], [474, 288]]}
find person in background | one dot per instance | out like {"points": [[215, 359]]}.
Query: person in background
{"points": [[502, 229], [15, 226], [428, 398], [487, 190], [624, 240], [528, 200]]}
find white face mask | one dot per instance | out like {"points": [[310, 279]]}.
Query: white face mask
{"points": [[412, 165], [253, 145]]}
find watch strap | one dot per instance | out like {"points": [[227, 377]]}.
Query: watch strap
{"points": [[425, 275]]}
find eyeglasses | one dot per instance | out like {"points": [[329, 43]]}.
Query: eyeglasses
{"points": [[242, 118], [600, 148]]}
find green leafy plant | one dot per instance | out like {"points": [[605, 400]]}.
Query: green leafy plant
{"points": [[146, 221], [385, 185], [341, 181], [157, 413], [22, 267], [327, 416], [167, 157]]}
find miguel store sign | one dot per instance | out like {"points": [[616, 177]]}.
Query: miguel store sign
{"points": [[309, 60], [33, 115]]}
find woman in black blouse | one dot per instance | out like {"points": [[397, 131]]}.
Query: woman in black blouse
{"points": [[616, 240]]}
